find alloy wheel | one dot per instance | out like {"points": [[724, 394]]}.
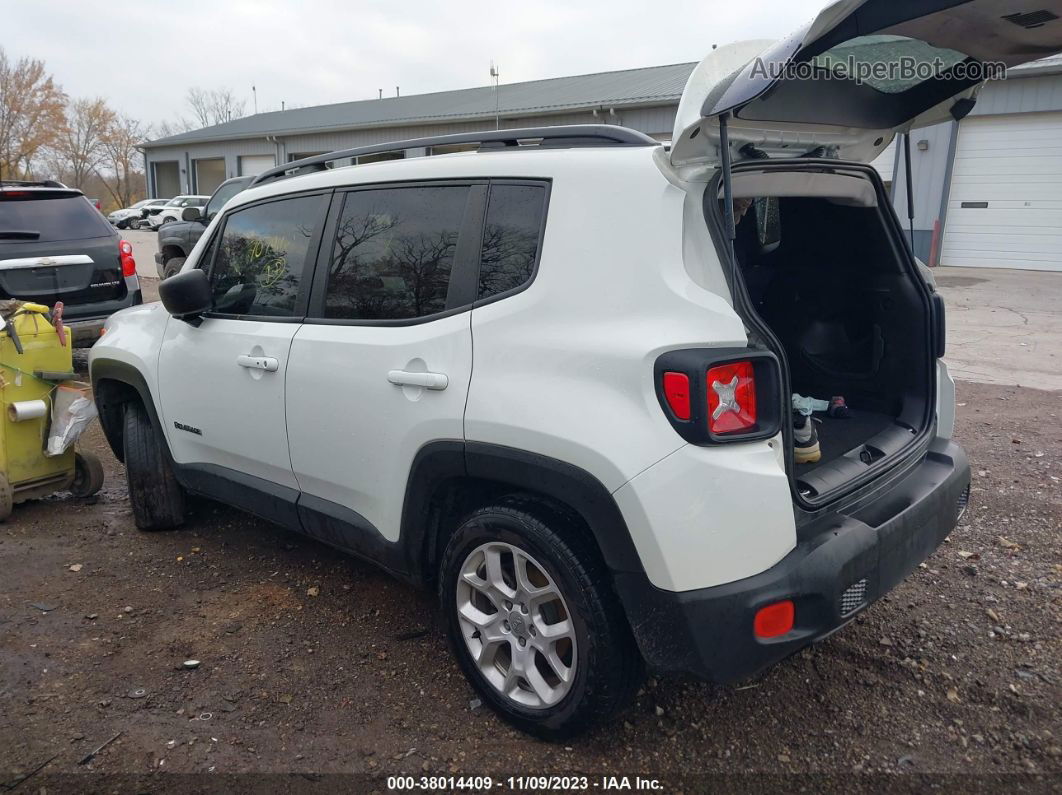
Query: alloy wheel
{"points": [[516, 625]]}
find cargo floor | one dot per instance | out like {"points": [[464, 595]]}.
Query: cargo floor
{"points": [[838, 436]]}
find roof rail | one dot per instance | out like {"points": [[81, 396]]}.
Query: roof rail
{"points": [[569, 135], [30, 183]]}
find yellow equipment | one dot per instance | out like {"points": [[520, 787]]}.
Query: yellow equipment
{"points": [[33, 360]]}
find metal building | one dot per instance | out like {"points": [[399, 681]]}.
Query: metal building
{"points": [[987, 190]]}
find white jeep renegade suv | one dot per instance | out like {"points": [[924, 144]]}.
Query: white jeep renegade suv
{"points": [[552, 378]]}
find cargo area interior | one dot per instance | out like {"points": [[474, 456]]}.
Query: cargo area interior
{"points": [[825, 272]]}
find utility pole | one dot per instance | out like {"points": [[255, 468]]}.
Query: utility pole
{"points": [[495, 76], [254, 93]]}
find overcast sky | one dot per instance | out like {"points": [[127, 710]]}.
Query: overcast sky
{"points": [[143, 56]]}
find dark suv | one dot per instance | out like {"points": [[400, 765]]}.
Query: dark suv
{"points": [[176, 239], [55, 246]]}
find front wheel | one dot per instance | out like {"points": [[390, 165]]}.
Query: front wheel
{"points": [[172, 267], [533, 621], [157, 498]]}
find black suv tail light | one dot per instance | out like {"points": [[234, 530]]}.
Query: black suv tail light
{"points": [[718, 395]]}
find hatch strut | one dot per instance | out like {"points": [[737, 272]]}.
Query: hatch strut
{"points": [[910, 187], [728, 188]]}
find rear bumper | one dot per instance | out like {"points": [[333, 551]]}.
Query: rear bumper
{"points": [[845, 561]]}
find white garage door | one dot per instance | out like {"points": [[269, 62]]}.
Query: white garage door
{"points": [[1005, 205], [251, 165]]}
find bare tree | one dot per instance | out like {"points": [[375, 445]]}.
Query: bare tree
{"points": [[171, 127], [80, 147], [122, 158], [31, 113], [215, 106]]}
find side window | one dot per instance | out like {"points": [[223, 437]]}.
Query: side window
{"points": [[510, 237], [203, 263], [261, 256], [394, 252]]}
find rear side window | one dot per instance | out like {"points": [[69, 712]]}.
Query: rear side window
{"points": [[53, 220], [261, 256], [394, 252], [511, 237]]}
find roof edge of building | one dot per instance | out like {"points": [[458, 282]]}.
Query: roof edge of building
{"points": [[413, 121]]}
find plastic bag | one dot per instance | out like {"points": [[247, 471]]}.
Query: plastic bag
{"points": [[807, 405], [72, 411]]}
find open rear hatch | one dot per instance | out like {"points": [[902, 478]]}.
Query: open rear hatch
{"points": [[861, 71], [821, 270]]}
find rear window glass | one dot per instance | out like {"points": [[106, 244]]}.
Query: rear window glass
{"points": [[394, 252], [510, 237], [889, 64], [66, 218]]}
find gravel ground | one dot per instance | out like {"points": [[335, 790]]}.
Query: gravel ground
{"points": [[312, 662]]}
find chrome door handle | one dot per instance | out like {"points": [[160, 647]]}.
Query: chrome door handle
{"points": [[426, 380], [267, 363]]}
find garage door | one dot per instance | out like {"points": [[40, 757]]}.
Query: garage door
{"points": [[1005, 205], [208, 175], [252, 165]]}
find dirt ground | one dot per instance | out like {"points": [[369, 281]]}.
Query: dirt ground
{"points": [[312, 662]]}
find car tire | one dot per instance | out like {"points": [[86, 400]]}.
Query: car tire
{"points": [[550, 650], [156, 497], [88, 475], [172, 267]]}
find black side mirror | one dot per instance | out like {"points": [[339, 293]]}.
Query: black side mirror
{"points": [[190, 213], [186, 295]]}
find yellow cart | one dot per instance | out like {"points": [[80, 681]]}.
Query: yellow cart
{"points": [[33, 362]]}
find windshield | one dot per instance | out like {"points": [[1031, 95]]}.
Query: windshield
{"points": [[222, 195], [48, 220]]}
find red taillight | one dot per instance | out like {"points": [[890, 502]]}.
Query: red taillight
{"points": [[677, 394], [125, 251], [731, 398], [774, 620]]}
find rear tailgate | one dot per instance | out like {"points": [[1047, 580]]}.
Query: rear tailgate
{"points": [[75, 272], [54, 246]]}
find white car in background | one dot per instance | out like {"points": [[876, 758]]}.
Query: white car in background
{"points": [[171, 210], [130, 217]]}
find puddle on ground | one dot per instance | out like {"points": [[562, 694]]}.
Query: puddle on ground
{"points": [[958, 281]]}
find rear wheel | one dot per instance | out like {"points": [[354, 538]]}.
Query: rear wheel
{"points": [[172, 267], [88, 475], [156, 497], [533, 621]]}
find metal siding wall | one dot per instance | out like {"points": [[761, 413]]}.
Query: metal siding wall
{"points": [[927, 171], [1020, 95], [653, 120]]}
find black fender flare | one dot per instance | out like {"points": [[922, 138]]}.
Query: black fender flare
{"points": [[560, 481], [123, 373]]}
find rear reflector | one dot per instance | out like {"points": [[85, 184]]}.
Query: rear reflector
{"points": [[774, 620], [677, 394], [731, 398], [125, 250]]}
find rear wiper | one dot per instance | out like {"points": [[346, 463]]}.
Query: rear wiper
{"points": [[19, 234]]}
